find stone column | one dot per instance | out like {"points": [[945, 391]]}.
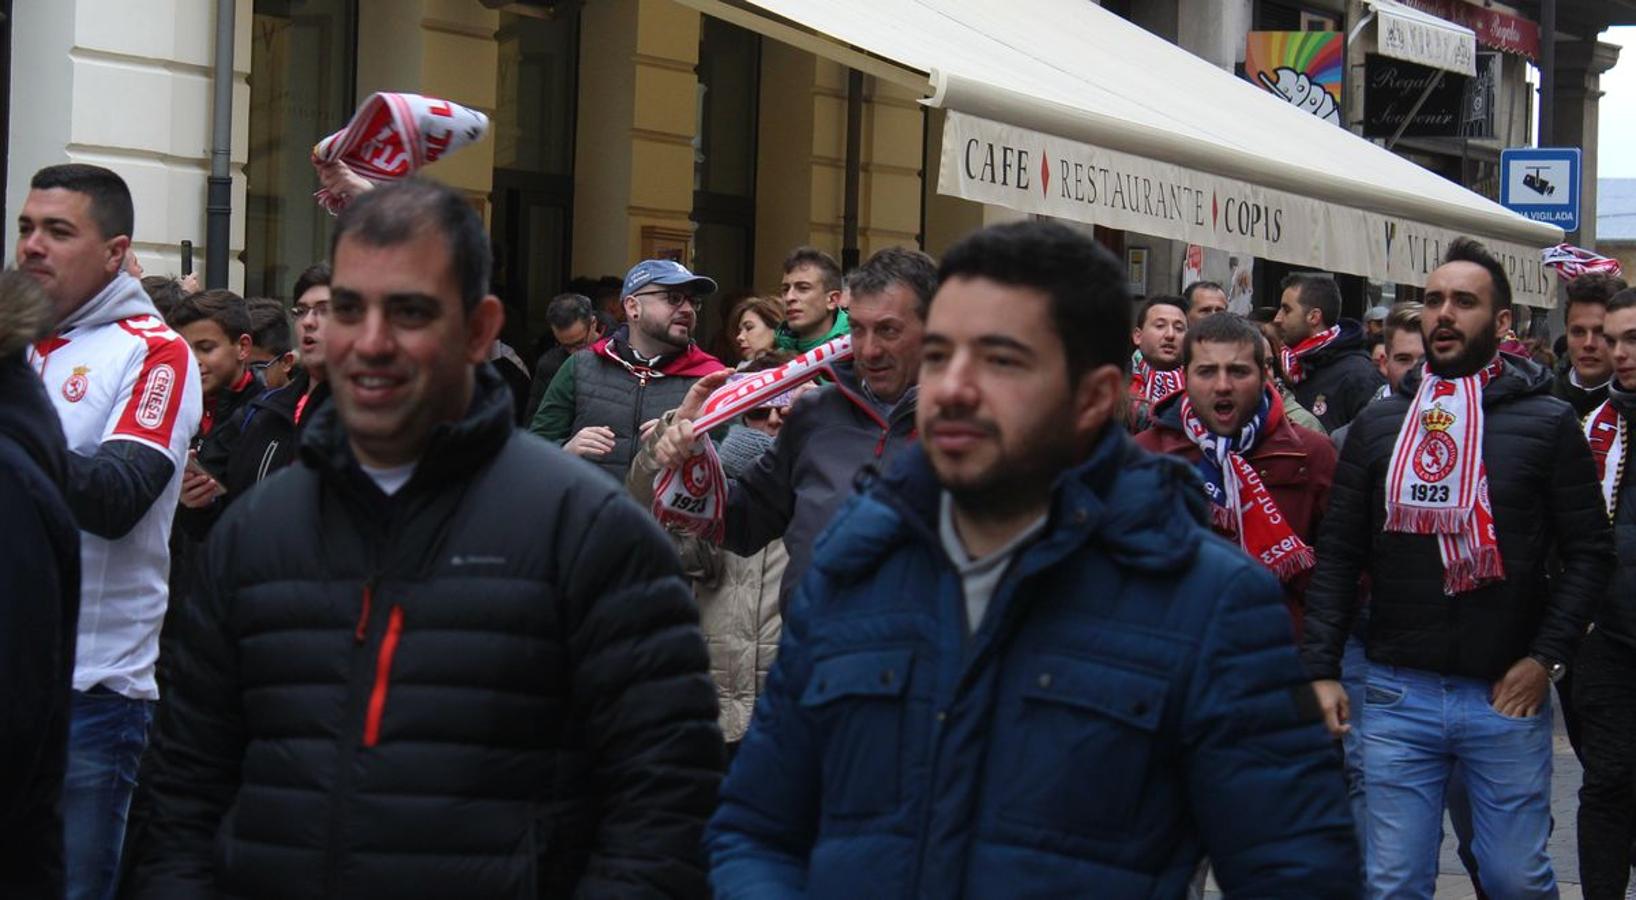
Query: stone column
{"points": [[638, 112], [1579, 68]]}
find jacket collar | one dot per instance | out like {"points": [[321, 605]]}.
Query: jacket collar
{"points": [[1146, 512], [1522, 378], [455, 451], [883, 414], [1168, 433], [690, 362], [1349, 341], [785, 339]]}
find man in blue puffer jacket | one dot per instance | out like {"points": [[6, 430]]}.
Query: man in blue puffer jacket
{"points": [[1021, 664]]}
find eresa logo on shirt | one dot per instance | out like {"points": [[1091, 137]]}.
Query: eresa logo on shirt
{"points": [[155, 398]]}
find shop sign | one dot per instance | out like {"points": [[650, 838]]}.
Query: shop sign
{"points": [[1500, 30], [1032, 172], [1302, 67], [1455, 107]]}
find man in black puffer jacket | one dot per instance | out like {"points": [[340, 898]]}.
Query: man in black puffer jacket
{"points": [[439, 657], [1464, 630]]}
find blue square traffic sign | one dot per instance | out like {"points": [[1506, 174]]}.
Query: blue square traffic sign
{"points": [[1542, 183]]}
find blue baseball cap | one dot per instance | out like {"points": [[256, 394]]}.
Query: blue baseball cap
{"points": [[666, 273]]}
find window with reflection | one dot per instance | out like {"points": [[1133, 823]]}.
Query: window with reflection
{"points": [[303, 57], [724, 161], [533, 130]]}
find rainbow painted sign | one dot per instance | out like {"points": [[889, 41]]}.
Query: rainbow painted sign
{"points": [[1303, 67]]}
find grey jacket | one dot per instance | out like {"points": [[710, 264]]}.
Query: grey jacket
{"points": [[796, 487]]}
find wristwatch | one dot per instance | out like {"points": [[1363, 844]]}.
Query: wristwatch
{"points": [[1554, 670]]}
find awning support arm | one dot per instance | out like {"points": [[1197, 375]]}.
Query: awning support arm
{"points": [[1437, 78]]}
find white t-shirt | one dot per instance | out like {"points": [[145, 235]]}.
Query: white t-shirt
{"points": [[390, 480], [116, 372], [979, 578]]}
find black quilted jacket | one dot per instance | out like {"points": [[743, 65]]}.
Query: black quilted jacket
{"points": [[1543, 486], [491, 684], [1618, 616]]}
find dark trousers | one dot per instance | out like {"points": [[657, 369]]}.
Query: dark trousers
{"points": [[1605, 699]]}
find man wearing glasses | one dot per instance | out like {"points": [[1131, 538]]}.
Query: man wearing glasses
{"points": [[600, 399]]}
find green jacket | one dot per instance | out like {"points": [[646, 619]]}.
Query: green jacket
{"points": [[786, 339]]}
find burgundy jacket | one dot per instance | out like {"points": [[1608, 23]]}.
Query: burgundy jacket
{"points": [[1297, 466]]}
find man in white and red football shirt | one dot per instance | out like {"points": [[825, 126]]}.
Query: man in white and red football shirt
{"points": [[126, 388]]}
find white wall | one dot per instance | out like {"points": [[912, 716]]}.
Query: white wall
{"points": [[128, 86]]}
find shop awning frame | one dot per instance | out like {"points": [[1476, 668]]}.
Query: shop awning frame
{"points": [[1070, 71], [1416, 36]]}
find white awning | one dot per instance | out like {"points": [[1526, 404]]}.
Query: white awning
{"points": [[1416, 36], [1063, 95]]}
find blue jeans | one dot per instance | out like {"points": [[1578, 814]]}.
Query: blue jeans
{"points": [[106, 736], [1354, 673], [1417, 726]]}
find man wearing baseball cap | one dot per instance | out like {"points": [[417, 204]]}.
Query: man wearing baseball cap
{"points": [[600, 398]]}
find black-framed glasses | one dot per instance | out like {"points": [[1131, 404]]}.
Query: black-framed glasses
{"points": [[320, 308], [262, 365], [674, 298]]}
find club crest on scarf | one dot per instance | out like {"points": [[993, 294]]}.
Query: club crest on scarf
{"points": [[1437, 483], [1434, 459]]}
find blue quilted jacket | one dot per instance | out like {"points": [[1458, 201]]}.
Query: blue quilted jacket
{"points": [[1131, 703]]}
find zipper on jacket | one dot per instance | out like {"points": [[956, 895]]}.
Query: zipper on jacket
{"points": [[636, 420], [356, 707], [383, 676], [360, 633]]}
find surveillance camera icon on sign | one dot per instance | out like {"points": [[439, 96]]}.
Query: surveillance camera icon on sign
{"points": [[1536, 182]]}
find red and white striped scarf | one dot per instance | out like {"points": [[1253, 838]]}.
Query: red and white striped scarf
{"points": [[1153, 385], [1240, 504], [1438, 483], [1571, 262], [1605, 430], [392, 135], [693, 497], [1291, 358]]}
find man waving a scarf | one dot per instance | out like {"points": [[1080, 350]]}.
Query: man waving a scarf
{"points": [[1267, 479]]}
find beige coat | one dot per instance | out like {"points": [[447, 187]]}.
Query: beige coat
{"points": [[738, 607], [739, 613]]}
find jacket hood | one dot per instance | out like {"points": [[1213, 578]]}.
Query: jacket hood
{"points": [[454, 451], [1522, 378], [121, 298], [1147, 512], [689, 363], [25, 312]]}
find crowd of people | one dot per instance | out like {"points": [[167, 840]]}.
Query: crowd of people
{"points": [[1041, 592]]}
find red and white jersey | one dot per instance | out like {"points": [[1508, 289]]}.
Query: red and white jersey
{"points": [[116, 372]]}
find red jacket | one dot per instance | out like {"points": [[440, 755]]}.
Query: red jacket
{"points": [[1296, 465]]}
